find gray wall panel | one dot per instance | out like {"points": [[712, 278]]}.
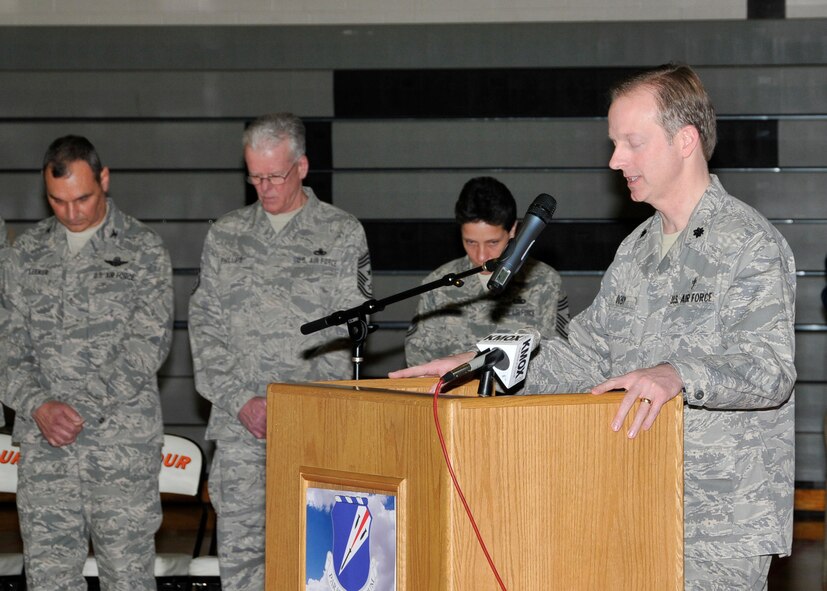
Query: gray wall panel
{"points": [[181, 404], [384, 352], [809, 457], [164, 145], [179, 195], [810, 406], [802, 143], [183, 286], [174, 94], [762, 90], [808, 307], [810, 356], [567, 44], [780, 194], [598, 193], [809, 243], [385, 285], [471, 144], [184, 240], [179, 361]]}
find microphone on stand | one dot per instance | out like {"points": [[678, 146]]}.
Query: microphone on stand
{"points": [[538, 215]]}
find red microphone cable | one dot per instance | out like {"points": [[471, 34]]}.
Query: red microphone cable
{"points": [[437, 392]]}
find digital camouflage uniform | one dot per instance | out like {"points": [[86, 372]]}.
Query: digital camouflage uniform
{"points": [[449, 318], [720, 309], [4, 320], [256, 289], [90, 330]]}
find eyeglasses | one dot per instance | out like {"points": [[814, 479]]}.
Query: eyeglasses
{"points": [[273, 179]]}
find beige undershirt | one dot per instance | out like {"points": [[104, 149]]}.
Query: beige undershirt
{"points": [[77, 240], [279, 220], [667, 242], [484, 280]]}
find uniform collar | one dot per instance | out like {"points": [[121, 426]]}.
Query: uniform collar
{"points": [[262, 224], [110, 230], [694, 235]]}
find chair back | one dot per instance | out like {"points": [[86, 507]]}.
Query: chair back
{"points": [[9, 457], [182, 466]]}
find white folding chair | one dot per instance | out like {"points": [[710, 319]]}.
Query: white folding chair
{"points": [[182, 469], [11, 564]]}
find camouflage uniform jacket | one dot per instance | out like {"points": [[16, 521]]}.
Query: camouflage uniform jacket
{"points": [[90, 330], [257, 288], [720, 309], [4, 320], [450, 319]]}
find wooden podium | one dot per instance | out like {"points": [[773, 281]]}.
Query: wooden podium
{"points": [[562, 502]]}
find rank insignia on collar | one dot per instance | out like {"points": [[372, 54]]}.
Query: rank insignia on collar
{"points": [[698, 232], [116, 262], [320, 252]]}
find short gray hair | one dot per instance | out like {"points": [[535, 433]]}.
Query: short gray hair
{"points": [[681, 99], [270, 130]]}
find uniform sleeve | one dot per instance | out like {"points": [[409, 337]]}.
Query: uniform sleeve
{"points": [[147, 333], [756, 368], [421, 339], [353, 287], [561, 366], [562, 322], [218, 376], [356, 279], [558, 323], [27, 388], [5, 322]]}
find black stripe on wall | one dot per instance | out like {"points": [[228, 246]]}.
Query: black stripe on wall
{"points": [[513, 92], [425, 245], [746, 143], [760, 9]]}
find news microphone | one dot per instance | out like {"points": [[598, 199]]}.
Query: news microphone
{"points": [[513, 368], [506, 353], [538, 215]]}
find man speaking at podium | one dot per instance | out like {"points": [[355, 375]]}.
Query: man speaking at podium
{"points": [[698, 303]]}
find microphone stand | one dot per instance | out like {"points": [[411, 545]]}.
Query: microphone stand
{"points": [[356, 317], [486, 387]]}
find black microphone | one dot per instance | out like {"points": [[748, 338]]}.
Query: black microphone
{"points": [[538, 215], [488, 357]]}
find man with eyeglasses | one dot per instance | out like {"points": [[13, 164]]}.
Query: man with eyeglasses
{"points": [[266, 269]]}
